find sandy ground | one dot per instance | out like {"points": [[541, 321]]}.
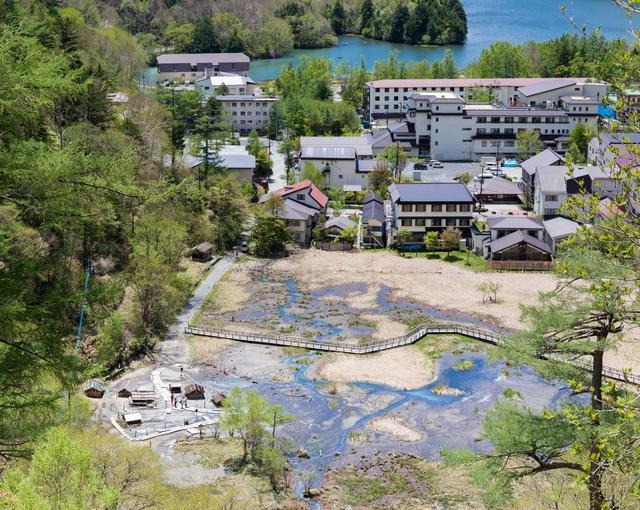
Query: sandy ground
{"points": [[386, 327], [231, 292], [394, 427], [399, 368], [432, 282], [435, 283], [205, 350]]}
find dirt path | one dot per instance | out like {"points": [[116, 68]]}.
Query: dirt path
{"points": [[174, 349]]}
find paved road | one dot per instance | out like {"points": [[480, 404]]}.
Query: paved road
{"points": [[174, 349], [279, 170]]}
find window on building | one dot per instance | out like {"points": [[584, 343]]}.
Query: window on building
{"points": [[551, 198], [451, 207], [395, 98], [465, 207], [483, 143], [300, 196], [436, 222], [482, 120], [451, 222], [550, 212], [436, 207], [421, 207], [463, 222], [407, 207], [420, 222], [405, 222], [509, 143]]}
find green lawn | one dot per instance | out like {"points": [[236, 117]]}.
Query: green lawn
{"points": [[463, 258]]}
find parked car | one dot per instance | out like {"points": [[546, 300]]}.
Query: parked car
{"points": [[434, 163], [483, 177], [421, 166], [491, 167]]}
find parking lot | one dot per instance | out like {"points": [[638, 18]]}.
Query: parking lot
{"points": [[444, 174]]}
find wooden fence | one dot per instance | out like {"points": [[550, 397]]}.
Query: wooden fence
{"points": [[339, 246], [389, 343], [519, 265]]}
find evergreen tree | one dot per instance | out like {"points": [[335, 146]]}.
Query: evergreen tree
{"points": [[367, 15], [338, 17], [399, 17], [449, 67], [204, 37], [417, 24], [579, 144]]}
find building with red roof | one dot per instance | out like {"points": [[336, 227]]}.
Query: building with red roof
{"points": [[303, 203]]}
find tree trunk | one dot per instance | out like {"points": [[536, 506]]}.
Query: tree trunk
{"points": [[594, 483]]}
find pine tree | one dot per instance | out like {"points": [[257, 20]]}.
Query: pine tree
{"points": [[366, 15], [396, 27], [338, 17]]}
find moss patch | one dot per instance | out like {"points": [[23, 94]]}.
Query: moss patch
{"points": [[399, 481]]}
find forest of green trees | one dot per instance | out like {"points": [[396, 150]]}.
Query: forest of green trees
{"points": [[270, 29], [83, 188]]}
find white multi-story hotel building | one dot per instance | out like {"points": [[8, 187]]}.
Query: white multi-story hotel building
{"points": [[244, 107], [446, 124]]}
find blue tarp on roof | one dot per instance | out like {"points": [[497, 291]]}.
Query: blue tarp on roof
{"points": [[607, 111]]}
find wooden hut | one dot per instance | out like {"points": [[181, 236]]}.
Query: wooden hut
{"points": [[142, 397], [218, 398], [94, 388], [127, 389], [194, 391]]}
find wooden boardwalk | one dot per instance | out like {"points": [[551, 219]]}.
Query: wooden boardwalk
{"points": [[382, 345]]}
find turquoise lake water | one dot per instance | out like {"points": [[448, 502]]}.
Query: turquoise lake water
{"points": [[488, 21]]}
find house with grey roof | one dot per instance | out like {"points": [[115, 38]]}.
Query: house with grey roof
{"points": [[434, 206], [519, 246], [557, 230], [373, 221], [336, 225], [501, 226], [547, 157], [553, 184], [343, 160], [234, 159], [496, 190], [191, 66]]}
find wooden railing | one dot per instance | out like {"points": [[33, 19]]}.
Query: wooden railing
{"points": [[519, 265], [389, 343]]}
